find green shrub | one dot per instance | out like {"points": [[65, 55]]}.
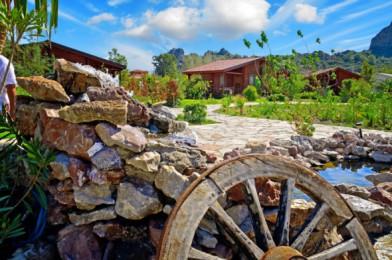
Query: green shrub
{"points": [[240, 103], [226, 101], [277, 97], [307, 95], [195, 113], [250, 93], [196, 88]]}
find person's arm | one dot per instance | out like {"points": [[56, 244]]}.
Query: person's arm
{"points": [[11, 92]]}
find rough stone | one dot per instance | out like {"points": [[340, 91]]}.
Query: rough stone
{"points": [[333, 155], [60, 167], [257, 146], [364, 209], [316, 156], [137, 113], [379, 156], [91, 195], [78, 171], [206, 239], [234, 153], [74, 78], [387, 186], [359, 150], [167, 125], [78, 243], [352, 189], [136, 200], [101, 177], [238, 213], [107, 159], [378, 194], [269, 192], [57, 213], [300, 211], [87, 218], [35, 251], [114, 112], [43, 89], [170, 181], [281, 150], [126, 137], [62, 197], [138, 173], [148, 161], [379, 178], [109, 231], [71, 138], [164, 111]]}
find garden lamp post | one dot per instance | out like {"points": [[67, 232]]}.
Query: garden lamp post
{"points": [[359, 126]]}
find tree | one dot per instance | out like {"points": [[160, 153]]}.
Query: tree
{"points": [[367, 71], [117, 57], [40, 6], [165, 64]]}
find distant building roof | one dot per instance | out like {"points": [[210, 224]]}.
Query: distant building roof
{"points": [[139, 71], [223, 65]]}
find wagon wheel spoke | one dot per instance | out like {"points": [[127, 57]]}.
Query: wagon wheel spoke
{"points": [[336, 250], [307, 228], [199, 255], [263, 235], [281, 234], [243, 241]]}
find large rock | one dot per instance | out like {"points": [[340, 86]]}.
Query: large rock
{"points": [[114, 112], [78, 243], [78, 171], [381, 195], [107, 159], [148, 161], [382, 157], [91, 195], [73, 77], [126, 137], [87, 218], [269, 192], [136, 200], [75, 139], [379, 178], [137, 114], [101, 177], [238, 213], [170, 181], [109, 231], [60, 167], [352, 189], [381, 44], [300, 211], [167, 125], [364, 209], [43, 89], [164, 111]]}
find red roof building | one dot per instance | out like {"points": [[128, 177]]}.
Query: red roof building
{"points": [[138, 73], [229, 76], [327, 79]]}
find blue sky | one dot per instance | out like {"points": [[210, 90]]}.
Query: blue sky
{"points": [[142, 29]]}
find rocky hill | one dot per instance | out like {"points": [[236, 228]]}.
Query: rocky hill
{"points": [[381, 44]]}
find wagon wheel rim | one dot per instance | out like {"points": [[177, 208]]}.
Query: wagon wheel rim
{"points": [[243, 170]]}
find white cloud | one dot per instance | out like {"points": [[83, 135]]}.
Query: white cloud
{"points": [[227, 19], [305, 13], [127, 22], [230, 19], [332, 9], [285, 30], [365, 12], [137, 58], [91, 7], [104, 17], [117, 2]]}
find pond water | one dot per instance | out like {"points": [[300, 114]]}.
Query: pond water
{"points": [[351, 172]]}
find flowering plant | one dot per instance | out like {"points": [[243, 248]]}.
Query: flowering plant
{"points": [[303, 125]]}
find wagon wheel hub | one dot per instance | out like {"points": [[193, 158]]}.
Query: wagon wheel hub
{"points": [[283, 253]]}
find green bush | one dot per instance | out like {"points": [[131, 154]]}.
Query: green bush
{"points": [[277, 97], [307, 95], [196, 88], [250, 93], [195, 113]]}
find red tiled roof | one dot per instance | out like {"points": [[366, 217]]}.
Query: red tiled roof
{"points": [[223, 65]]}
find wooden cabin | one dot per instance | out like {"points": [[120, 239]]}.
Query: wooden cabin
{"points": [[326, 78], [63, 52], [230, 76]]}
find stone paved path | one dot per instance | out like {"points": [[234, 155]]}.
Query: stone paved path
{"points": [[232, 131]]}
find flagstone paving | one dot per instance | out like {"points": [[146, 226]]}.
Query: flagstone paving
{"points": [[231, 132]]}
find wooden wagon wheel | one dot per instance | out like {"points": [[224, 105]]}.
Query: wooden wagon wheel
{"points": [[201, 199]]}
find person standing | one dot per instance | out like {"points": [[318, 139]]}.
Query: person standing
{"points": [[8, 93]]}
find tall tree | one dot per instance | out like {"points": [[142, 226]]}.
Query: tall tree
{"points": [[165, 64], [47, 24], [117, 57], [367, 71]]}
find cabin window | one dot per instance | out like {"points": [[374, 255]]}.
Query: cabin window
{"points": [[251, 79]]}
